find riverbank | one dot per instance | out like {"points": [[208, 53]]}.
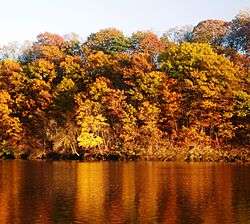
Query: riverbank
{"points": [[191, 154]]}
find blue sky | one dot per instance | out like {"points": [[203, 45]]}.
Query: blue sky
{"points": [[24, 19]]}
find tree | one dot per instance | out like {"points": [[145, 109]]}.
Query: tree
{"points": [[108, 40], [48, 46], [210, 31], [49, 39], [11, 76], [146, 42], [178, 34], [43, 70], [124, 97], [73, 45], [10, 51], [92, 124], [241, 116], [238, 36], [206, 81], [10, 126]]}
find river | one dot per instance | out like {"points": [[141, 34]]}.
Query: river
{"points": [[33, 192]]}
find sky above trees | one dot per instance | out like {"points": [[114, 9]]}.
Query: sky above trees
{"points": [[22, 20]]}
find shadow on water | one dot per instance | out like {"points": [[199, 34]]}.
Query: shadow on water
{"points": [[123, 192]]}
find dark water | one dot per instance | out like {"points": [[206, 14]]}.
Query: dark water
{"points": [[120, 192]]}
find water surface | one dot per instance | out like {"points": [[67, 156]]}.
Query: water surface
{"points": [[123, 192]]}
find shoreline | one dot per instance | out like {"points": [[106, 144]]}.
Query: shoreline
{"points": [[201, 155]]}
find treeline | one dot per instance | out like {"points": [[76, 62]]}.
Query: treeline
{"points": [[185, 95]]}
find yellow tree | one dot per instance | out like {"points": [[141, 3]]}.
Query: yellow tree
{"points": [[91, 122], [11, 84], [10, 126]]}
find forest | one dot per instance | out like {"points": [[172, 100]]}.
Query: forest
{"points": [[184, 95]]}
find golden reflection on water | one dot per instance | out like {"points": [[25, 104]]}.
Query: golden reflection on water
{"points": [[90, 191], [120, 192]]}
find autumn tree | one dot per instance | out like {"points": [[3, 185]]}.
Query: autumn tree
{"points": [[210, 31], [206, 81], [92, 124], [126, 97], [108, 40], [11, 84], [146, 42], [10, 126]]}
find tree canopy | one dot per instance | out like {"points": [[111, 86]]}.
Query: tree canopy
{"points": [[127, 96]]}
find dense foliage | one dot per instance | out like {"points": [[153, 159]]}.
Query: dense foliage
{"points": [[186, 94]]}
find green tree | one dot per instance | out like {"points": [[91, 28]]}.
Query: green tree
{"points": [[108, 40]]}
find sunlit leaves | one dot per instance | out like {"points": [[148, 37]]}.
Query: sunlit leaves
{"points": [[72, 67], [10, 127], [66, 85], [91, 123], [43, 70], [242, 104]]}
